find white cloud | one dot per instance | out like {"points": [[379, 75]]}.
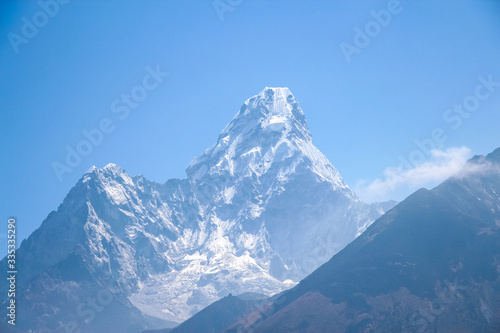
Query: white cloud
{"points": [[481, 167], [399, 182]]}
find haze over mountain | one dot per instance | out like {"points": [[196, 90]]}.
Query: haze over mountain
{"points": [[431, 264], [258, 211]]}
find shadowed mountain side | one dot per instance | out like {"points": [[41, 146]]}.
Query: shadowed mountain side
{"points": [[431, 264], [221, 314]]}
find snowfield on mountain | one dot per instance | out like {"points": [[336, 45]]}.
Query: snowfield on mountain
{"points": [[258, 211]]}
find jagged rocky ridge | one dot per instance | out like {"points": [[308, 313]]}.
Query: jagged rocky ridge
{"points": [[431, 264], [258, 212]]}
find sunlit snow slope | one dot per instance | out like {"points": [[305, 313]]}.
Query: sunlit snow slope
{"points": [[257, 212]]}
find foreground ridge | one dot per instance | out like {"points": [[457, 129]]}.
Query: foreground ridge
{"points": [[431, 264]]}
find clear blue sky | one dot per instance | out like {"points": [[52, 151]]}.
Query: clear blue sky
{"points": [[364, 114]]}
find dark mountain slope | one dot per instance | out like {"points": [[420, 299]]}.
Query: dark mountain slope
{"points": [[431, 264]]}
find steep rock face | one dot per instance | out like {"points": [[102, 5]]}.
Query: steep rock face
{"points": [[259, 211], [431, 264], [266, 171]]}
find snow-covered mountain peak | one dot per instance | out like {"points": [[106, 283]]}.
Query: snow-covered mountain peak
{"points": [[269, 132], [261, 208], [112, 167], [110, 171], [112, 180], [272, 110], [109, 168]]}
